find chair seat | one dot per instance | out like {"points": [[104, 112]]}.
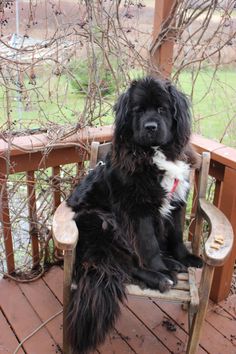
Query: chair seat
{"points": [[185, 291]]}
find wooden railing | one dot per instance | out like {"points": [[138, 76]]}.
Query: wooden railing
{"points": [[27, 154]]}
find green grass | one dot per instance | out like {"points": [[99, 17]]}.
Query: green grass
{"points": [[213, 98], [55, 101]]}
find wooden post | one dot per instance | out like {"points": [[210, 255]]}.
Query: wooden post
{"points": [[68, 269], [198, 320], [161, 50], [6, 225], [56, 187], [33, 217], [227, 203]]}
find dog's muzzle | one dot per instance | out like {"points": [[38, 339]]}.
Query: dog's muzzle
{"points": [[150, 126]]}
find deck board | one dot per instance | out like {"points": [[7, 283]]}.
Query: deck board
{"points": [[45, 305], [139, 330], [8, 340], [24, 320]]}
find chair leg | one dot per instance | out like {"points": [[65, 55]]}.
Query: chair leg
{"points": [[198, 319], [68, 268]]}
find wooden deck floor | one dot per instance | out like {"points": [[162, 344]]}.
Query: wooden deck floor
{"points": [[143, 327]]}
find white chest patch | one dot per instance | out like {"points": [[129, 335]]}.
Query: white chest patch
{"points": [[175, 180]]}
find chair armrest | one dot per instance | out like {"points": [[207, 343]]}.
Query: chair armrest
{"points": [[219, 226], [64, 229]]}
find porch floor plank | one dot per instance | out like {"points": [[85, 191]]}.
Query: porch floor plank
{"points": [[140, 329], [8, 340], [45, 305], [24, 320]]}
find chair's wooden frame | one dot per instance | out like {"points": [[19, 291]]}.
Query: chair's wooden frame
{"points": [[195, 298]]}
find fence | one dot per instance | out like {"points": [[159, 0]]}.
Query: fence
{"points": [[27, 155]]}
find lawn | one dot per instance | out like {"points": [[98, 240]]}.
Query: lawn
{"points": [[214, 108], [55, 101]]}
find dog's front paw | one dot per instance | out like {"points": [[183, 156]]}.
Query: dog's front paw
{"points": [[174, 265], [192, 261], [162, 281], [165, 284]]}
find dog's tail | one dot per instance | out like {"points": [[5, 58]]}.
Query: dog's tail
{"points": [[94, 307]]}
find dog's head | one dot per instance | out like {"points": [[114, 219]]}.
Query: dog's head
{"points": [[152, 113]]}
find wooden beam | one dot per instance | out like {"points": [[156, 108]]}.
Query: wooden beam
{"points": [[161, 50], [33, 230], [6, 225], [227, 203]]}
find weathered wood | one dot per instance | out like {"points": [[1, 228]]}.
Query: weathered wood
{"points": [[6, 226], [201, 192], [94, 154], [193, 289], [68, 270], [171, 295], [197, 323], [33, 231], [39, 142], [137, 335], [45, 304], [54, 281], [8, 340], [161, 49], [24, 320], [220, 227], [56, 186], [227, 204], [65, 231]]}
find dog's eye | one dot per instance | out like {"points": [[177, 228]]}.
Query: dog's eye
{"points": [[160, 109], [138, 110]]}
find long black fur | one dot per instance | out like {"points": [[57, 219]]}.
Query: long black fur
{"points": [[122, 235]]}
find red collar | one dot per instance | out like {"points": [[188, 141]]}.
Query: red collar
{"points": [[173, 189]]}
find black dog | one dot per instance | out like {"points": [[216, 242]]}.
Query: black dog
{"points": [[128, 211]]}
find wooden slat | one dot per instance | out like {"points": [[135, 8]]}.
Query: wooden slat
{"points": [[116, 345], [45, 305], [211, 340], [24, 320], [222, 321], [8, 341], [6, 226], [56, 187], [152, 316], [229, 305], [137, 335], [33, 231], [172, 295], [193, 288], [54, 280]]}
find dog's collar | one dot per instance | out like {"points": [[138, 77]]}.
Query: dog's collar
{"points": [[173, 189]]}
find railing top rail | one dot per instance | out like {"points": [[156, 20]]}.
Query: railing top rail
{"points": [[219, 152], [38, 142], [20, 145]]}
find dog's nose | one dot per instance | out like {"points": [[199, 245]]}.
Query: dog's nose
{"points": [[150, 126]]}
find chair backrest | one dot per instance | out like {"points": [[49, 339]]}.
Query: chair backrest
{"points": [[98, 153]]}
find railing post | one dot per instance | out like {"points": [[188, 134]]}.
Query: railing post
{"points": [[6, 225], [33, 217], [161, 50], [227, 203]]}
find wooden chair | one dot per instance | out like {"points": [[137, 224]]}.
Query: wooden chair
{"points": [[215, 251]]}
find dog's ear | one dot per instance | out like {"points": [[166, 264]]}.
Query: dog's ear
{"points": [[180, 106], [121, 110]]}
